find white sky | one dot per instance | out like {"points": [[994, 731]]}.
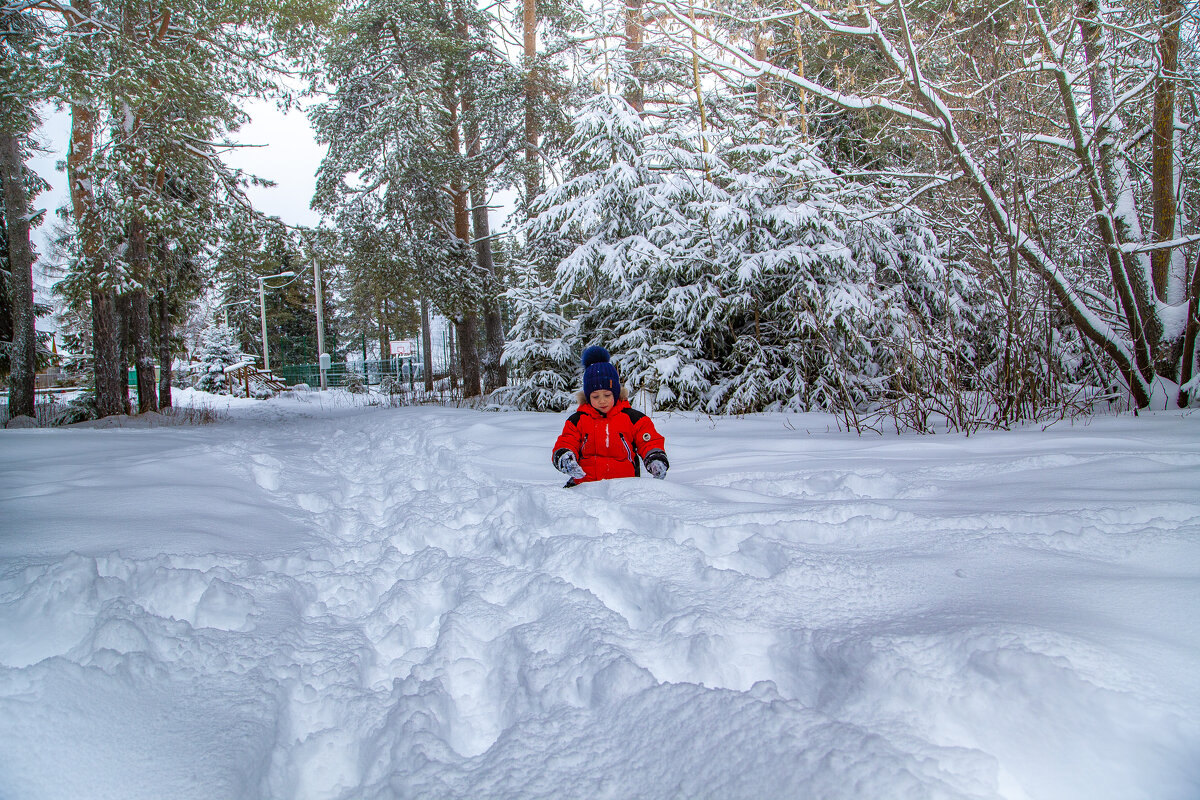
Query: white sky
{"points": [[287, 155]]}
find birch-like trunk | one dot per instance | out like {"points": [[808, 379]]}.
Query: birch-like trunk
{"points": [[1117, 185], [1187, 369]]}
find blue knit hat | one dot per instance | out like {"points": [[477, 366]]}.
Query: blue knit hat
{"points": [[599, 373]]}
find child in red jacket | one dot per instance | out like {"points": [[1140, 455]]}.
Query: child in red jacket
{"points": [[606, 437]]}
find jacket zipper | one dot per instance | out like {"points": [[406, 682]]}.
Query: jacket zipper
{"points": [[625, 444]]}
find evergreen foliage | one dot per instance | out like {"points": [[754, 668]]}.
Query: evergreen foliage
{"points": [[218, 350], [746, 279]]}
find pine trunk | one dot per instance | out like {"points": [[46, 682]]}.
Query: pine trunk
{"points": [[111, 391], [385, 342], [124, 307], [452, 367], [139, 319], [23, 354], [494, 373], [163, 309], [468, 355], [533, 131], [425, 337], [143, 351], [1162, 171]]}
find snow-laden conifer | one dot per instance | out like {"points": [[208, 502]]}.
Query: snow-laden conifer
{"points": [[541, 348], [218, 351]]}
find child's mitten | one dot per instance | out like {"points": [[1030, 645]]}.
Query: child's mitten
{"points": [[658, 468], [569, 466]]}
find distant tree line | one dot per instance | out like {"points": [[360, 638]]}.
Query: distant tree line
{"points": [[921, 208]]}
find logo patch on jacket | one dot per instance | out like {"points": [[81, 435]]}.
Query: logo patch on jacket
{"points": [[645, 437]]}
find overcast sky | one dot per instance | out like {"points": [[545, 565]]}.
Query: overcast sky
{"points": [[287, 155]]}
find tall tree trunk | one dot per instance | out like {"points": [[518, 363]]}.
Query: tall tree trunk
{"points": [[1191, 331], [697, 87], [452, 354], [1118, 190], [764, 97], [385, 342], [23, 355], [124, 306], [139, 318], [462, 229], [468, 354], [143, 351], [533, 127], [112, 394], [494, 373], [427, 339], [1163, 165], [162, 307], [802, 99], [635, 94]]}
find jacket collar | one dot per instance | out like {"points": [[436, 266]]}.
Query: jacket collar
{"points": [[590, 410]]}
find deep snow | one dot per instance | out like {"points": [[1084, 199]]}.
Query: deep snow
{"points": [[311, 599]]}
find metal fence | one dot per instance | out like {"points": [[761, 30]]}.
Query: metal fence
{"points": [[407, 371], [47, 404]]}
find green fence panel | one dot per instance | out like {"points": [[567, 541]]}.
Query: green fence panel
{"points": [[371, 373]]}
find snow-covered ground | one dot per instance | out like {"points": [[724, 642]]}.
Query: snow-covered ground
{"points": [[311, 599]]}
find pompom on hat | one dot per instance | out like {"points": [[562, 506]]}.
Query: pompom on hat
{"points": [[599, 373]]}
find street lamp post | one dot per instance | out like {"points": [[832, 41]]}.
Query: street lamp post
{"points": [[322, 358], [262, 312], [234, 303]]}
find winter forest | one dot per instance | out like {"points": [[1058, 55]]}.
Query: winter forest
{"points": [[981, 212]]}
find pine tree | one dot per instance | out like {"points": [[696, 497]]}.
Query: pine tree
{"points": [[22, 86], [218, 350], [541, 351]]}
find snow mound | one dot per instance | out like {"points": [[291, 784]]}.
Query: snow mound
{"points": [[313, 599]]}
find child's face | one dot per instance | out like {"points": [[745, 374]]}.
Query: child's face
{"points": [[602, 400]]}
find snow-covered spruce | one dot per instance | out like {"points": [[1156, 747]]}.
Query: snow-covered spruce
{"points": [[739, 280]]}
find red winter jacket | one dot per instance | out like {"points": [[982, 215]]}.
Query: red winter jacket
{"points": [[608, 446]]}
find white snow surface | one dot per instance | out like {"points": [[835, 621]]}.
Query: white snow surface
{"points": [[315, 599]]}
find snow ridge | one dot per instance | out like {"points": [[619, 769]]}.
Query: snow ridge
{"points": [[404, 603]]}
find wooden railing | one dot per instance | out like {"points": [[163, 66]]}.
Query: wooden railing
{"points": [[247, 375]]}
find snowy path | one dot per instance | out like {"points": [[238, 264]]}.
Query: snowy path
{"points": [[314, 603]]}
